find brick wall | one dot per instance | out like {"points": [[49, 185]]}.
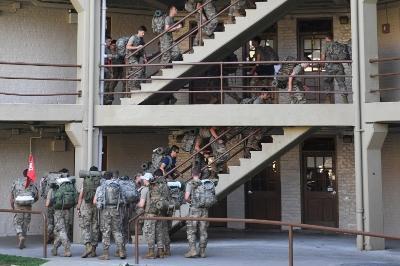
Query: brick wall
{"points": [[391, 183], [345, 174], [291, 186]]}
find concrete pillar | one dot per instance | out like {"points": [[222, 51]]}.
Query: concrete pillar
{"points": [[236, 207], [374, 137]]}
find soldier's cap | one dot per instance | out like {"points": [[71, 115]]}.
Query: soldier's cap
{"points": [[147, 176]]}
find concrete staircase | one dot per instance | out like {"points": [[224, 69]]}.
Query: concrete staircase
{"points": [[255, 21], [238, 175]]}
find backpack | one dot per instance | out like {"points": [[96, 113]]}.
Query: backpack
{"points": [[156, 158], [112, 193], [203, 194], [24, 196], [159, 197], [158, 22], [65, 194], [188, 141], [249, 100], [121, 46], [286, 70], [128, 190], [176, 190], [339, 51], [90, 184], [49, 181]]}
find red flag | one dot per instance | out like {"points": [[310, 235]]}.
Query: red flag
{"points": [[31, 171]]}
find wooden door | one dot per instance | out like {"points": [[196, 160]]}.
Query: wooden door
{"points": [[263, 196], [320, 203]]}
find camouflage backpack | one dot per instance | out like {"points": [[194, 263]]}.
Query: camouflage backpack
{"points": [[158, 22], [203, 195], [24, 196], [49, 181], [282, 78], [188, 141], [91, 180], [112, 193], [121, 46], [128, 190], [159, 197], [338, 51], [65, 194], [176, 190], [156, 158]]}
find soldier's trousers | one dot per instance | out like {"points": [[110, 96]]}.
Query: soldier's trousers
{"points": [[153, 232], [90, 224], [219, 150], [116, 73], [134, 74], [297, 97], [61, 227], [200, 227], [168, 55], [50, 221], [21, 221], [209, 11], [238, 6], [167, 225], [111, 224], [336, 69]]}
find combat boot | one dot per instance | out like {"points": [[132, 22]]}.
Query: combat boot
{"points": [[116, 254], [122, 253], [192, 253], [150, 254], [93, 252], [167, 251], [54, 251], [21, 241], [202, 252], [160, 253], [105, 256], [67, 252], [88, 250]]}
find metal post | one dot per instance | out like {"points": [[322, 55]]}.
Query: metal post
{"points": [[290, 245], [222, 82], [102, 47]]}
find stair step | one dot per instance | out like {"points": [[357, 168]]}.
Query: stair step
{"points": [[223, 176], [244, 161], [233, 169]]}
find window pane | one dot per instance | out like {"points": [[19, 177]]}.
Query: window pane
{"points": [[307, 44], [310, 162], [317, 44], [328, 162], [320, 162]]}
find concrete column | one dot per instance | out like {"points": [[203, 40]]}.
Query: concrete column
{"points": [[374, 136], [368, 48], [236, 207]]}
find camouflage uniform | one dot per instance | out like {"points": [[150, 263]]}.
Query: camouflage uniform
{"points": [[166, 41], [90, 224], [111, 224], [237, 7], [330, 51], [209, 11], [112, 73], [135, 73], [152, 230], [21, 221], [62, 219], [217, 148], [196, 227], [297, 97], [50, 222]]}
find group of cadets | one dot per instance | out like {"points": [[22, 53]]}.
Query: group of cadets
{"points": [[106, 202]]}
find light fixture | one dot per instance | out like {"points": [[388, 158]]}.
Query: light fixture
{"points": [[344, 20], [386, 26]]}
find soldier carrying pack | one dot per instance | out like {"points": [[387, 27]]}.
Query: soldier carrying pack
{"points": [[91, 181], [338, 51], [65, 194], [176, 190], [24, 196], [188, 140], [286, 70], [49, 181], [203, 194], [159, 197], [121, 46], [128, 190], [156, 158], [109, 194], [158, 22]]}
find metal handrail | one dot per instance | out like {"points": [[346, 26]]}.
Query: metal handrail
{"points": [[33, 78], [290, 226], [394, 74], [384, 60], [166, 31], [235, 91], [39, 64], [44, 224], [134, 218], [79, 94]]}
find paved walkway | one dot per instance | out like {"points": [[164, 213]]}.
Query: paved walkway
{"points": [[237, 249]]}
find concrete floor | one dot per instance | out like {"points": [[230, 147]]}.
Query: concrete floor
{"points": [[227, 248]]}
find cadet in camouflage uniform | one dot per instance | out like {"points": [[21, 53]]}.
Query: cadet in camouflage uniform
{"points": [[152, 230], [209, 12], [295, 84], [22, 220], [62, 220], [194, 227], [110, 224], [167, 40], [135, 42], [329, 53], [89, 221]]}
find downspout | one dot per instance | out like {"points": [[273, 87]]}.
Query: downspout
{"points": [[358, 128], [92, 82], [102, 62]]}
